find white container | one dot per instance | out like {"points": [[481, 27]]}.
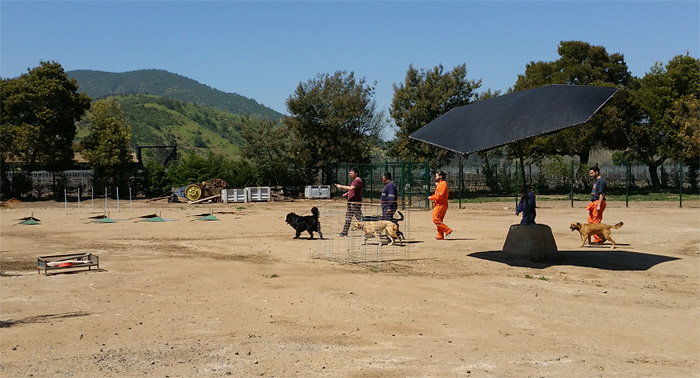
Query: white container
{"points": [[234, 195], [317, 191], [259, 194]]}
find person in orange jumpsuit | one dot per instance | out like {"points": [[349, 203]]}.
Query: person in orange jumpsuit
{"points": [[440, 206], [597, 205]]}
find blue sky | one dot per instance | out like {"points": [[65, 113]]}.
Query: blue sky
{"points": [[264, 49]]}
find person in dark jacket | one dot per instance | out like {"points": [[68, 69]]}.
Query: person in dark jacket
{"points": [[527, 206], [388, 198]]}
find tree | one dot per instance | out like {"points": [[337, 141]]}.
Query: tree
{"points": [[579, 64], [668, 97], [108, 146], [423, 96], [37, 124], [195, 168], [267, 147], [332, 120]]}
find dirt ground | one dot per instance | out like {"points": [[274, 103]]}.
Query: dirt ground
{"points": [[240, 297]]}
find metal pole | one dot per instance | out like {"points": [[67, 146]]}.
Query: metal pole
{"points": [[522, 170], [627, 189], [680, 184], [118, 210], [78, 200], [571, 195], [131, 204], [427, 184], [65, 201], [402, 183], [461, 181], [92, 199], [371, 183], [105, 200]]}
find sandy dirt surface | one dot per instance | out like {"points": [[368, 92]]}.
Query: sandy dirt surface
{"points": [[240, 297]]}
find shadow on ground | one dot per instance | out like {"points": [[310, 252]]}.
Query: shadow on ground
{"points": [[607, 260], [41, 318]]}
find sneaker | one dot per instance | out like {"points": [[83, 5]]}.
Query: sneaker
{"points": [[342, 234], [447, 235], [439, 238]]}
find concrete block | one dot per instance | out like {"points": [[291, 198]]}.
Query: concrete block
{"points": [[532, 240]]}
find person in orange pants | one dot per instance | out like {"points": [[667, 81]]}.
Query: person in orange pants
{"points": [[440, 206], [597, 205]]}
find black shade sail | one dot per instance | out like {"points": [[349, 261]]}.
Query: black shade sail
{"points": [[513, 117]]}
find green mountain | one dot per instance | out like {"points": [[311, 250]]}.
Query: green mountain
{"points": [[158, 120], [99, 84]]}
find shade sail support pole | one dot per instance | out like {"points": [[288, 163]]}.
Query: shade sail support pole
{"points": [[524, 186]]}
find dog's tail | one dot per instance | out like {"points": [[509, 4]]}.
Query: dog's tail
{"points": [[618, 225], [315, 212], [395, 220]]}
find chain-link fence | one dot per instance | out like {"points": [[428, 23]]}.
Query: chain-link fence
{"points": [[477, 176]]}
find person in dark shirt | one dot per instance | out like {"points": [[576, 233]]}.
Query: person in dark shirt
{"points": [[597, 205], [354, 196], [388, 198], [527, 206]]}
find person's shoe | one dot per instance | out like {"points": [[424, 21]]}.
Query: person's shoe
{"points": [[342, 234], [447, 235], [439, 238]]}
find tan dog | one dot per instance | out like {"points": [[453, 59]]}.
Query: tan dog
{"points": [[601, 230], [377, 228]]}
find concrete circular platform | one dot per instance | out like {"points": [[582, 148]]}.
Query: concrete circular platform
{"points": [[532, 240]]}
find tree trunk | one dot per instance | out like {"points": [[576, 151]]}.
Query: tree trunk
{"points": [[584, 156], [654, 175]]}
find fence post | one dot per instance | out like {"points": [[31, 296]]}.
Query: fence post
{"points": [[571, 195], [680, 184], [461, 182], [371, 183], [627, 188], [402, 182], [427, 184]]}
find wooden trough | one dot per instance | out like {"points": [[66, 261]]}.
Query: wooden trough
{"points": [[73, 261]]}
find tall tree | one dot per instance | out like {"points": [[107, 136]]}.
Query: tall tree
{"points": [[579, 63], [668, 96], [108, 146], [333, 119], [37, 123], [423, 96], [267, 146]]}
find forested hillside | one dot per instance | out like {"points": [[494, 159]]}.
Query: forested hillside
{"points": [[99, 84], [158, 120]]}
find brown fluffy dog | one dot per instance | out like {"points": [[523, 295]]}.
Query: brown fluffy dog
{"points": [[377, 228], [601, 230]]}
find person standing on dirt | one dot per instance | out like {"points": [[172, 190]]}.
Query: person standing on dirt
{"points": [[388, 197], [526, 205], [440, 199], [354, 196], [597, 205]]}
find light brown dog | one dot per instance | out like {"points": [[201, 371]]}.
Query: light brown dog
{"points": [[377, 228], [587, 230]]}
